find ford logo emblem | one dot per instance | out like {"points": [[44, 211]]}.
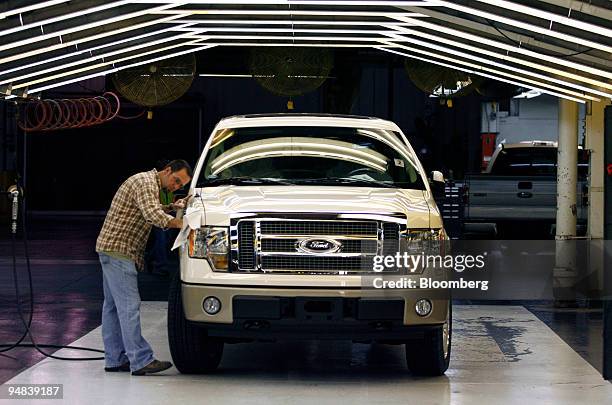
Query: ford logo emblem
{"points": [[318, 246]]}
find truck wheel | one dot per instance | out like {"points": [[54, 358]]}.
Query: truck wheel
{"points": [[431, 355], [193, 352]]}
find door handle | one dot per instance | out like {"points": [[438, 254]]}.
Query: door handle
{"points": [[524, 194]]}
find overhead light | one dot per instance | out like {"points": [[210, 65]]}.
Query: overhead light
{"points": [[481, 40], [88, 50], [94, 58], [289, 12], [535, 12], [479, 71], [58, 34], [75, 43], [522, 25], [398, 3], [74, 80], [106, 63], [51, 86], [301, 45], [62, 17], [287, 30], [288, 22], [529, 94], [290, 38], [472, 57], [37, 6]]}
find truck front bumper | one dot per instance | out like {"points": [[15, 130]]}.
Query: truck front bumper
{"points": [[355, 314]]}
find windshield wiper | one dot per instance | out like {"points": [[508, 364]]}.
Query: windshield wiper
{"points": [[243, 180], [347, 180]]}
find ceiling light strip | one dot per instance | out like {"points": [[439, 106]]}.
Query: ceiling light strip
{"points": [[39, 89], [291, 12], [463, 69], [87, 26], [36, 6], [535, 12], [443, 49], [341, 3], [480, 68], [62, 17], [522, 25], [76, 42], [285, 22], [499, 45], [104, 63], [287, 30], [93, 58]]}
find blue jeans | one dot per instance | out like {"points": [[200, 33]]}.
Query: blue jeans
{"points": [[121, 333]]}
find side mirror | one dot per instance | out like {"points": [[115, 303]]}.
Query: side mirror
{"points": [[437, 177]]}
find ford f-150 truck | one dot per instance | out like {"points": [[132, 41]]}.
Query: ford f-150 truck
{"points": [[286, 216], [519, 187]]}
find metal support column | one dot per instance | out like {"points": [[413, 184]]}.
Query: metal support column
{"points": [[564, 273]]}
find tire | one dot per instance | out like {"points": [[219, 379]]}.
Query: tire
{"points": [[426, 356], [193, 352]]}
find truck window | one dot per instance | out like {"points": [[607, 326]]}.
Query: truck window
{"points": [[310, 155], [540, 161]]}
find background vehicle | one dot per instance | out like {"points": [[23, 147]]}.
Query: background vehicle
{"points": [[291, 210], [519, 187]]}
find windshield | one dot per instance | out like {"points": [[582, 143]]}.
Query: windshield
{"points": [[309, 155]]}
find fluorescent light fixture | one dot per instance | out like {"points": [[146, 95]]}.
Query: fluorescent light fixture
{"points": [[287, 30], [94, 58], [287, 22], [525, 26], [65, 17], [446, 50], [529, 94], [480, 73], [76, 42], [301, 45], [51, 86], [85, 26], [37, 6], [481, 40], [105, 63], [384, 3], [291, 38], [290, 12], [535, 12]]}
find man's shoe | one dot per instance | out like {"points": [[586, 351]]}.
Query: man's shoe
{"points": [[153, 367], [123, 367]]}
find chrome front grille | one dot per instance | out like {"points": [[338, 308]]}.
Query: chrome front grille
{"points": [[348, 245], [273, 245], [347, 228]]}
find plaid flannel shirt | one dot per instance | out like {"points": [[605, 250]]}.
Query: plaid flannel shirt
{"points": [[135, 208]]}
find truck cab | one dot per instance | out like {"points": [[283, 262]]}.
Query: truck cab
{"points": [[287, 216]]}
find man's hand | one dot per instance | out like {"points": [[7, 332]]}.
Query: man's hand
{"points": [[176, 223], [180, 204]]}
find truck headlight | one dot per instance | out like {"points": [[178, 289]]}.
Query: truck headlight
{"points": [[212, 243], [428, 241]]}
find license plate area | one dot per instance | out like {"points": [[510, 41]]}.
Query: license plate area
{"points": [[318, 309]]}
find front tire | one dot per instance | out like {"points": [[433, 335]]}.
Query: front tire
{"points": [[192, 350], [430, 356]]}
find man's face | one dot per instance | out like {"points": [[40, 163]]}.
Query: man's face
{"points": [[173, 181]]}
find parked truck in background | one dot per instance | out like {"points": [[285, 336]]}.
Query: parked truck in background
{"points": [[517, 193]]}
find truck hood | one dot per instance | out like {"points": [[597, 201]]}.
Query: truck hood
{"points": [[222, 202]]}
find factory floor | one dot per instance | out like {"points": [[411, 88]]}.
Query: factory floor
{"points": [[527, 351]]}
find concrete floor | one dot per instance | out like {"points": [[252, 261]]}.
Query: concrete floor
{"points": [[501, 355]]}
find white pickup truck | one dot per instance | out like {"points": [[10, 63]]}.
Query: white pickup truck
{"points": [[290, 211]]}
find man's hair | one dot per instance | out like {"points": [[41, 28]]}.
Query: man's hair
{"points": [[179, 164]]}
